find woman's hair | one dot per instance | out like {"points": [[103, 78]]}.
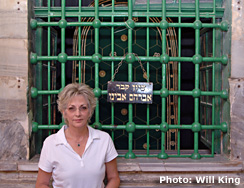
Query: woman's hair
{"points": [[75, 89]]}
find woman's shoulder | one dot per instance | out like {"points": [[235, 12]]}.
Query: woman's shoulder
{"points": [[99, 133], [51, 138], [56, 138]]}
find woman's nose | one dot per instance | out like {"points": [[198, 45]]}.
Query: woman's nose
{"points": [[77, 112]]}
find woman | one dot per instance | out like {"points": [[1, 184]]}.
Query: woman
{"points": [[77, 155]]}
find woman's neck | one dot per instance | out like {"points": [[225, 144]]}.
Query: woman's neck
{"points": [[77, 134]]}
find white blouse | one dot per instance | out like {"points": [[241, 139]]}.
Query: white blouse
{"points": [[69, 170]]}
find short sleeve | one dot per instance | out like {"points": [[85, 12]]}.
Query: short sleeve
{"points": [[111, 151], [44, 162]]}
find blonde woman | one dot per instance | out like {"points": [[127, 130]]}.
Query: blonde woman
{"points": [[78, 156]]}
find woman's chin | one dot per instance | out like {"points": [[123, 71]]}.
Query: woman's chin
{"points": [[79, 125]]}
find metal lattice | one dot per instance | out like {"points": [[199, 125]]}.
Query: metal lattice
{"points": [[133, 18]]}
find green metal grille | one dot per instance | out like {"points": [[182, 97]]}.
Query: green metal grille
{"points": [[110, 17]]}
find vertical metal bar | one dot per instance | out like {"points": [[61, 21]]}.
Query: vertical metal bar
{"points": [[48, 68], [39, 99], [130, 154], [179, 78], [196, 155], [97, 52], [213, 80], [38, 71], [163, 120], [79, 42], [63, 43], [112, 64], [148, 52]]}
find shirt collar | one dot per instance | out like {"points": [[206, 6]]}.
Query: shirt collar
{"points": [[60, 136]]}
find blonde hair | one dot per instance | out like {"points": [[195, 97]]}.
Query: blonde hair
{"points": [[75, 89]]}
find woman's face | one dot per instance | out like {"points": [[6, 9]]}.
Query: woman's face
{"points": [[77, 112]]}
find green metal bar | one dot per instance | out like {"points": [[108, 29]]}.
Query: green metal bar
{"points": [[151, 127], [112, 66], [63, 43], [79, 42], [38, 84], [142, 58], [196, 154], [213, 82], [179, 79], [123, 24], [172, 156], [148, 51], [96, 63], [49, 70], [48, 127], [123, 12], [156, 92], [130, 153], [162, 154]]}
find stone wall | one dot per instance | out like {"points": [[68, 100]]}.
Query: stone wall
{"points": [[237, 81], [14, 126], [15, 77]]}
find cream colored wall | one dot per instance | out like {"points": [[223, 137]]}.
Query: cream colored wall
{"points": [[14, 78], [236, 81], [14, 126]]}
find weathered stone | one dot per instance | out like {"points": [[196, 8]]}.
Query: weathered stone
{"points": [[237, 118], [13, 141], [237, 40]]}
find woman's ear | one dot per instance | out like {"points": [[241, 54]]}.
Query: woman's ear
{"points": [[63, 113]]}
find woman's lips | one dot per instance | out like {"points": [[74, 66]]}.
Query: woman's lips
{"points": [[78, 120]]}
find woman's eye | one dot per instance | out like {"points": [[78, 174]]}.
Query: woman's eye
{"points": [[71, 109], [84, 108]]}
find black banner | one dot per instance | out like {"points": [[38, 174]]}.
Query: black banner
{"points": [[130, 92]]}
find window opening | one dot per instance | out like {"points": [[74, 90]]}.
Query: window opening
{"points": [[175, 49]]}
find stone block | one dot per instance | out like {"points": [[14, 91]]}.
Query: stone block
{"points": [[14, 141]]}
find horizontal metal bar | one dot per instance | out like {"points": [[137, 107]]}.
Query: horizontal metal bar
{"points": [[123, 24], [156, 92], [47, 92], [207, 12], [142, 58], [48, 127], [153, 155], [47, 58], [146, 127]]}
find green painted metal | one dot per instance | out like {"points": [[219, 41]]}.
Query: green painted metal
{"points": [[148, 69], [179, 78], [38, 84], [221, 127], [112, 67], [62, 58], [178, 10], [123, 12], [223, 94]]}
